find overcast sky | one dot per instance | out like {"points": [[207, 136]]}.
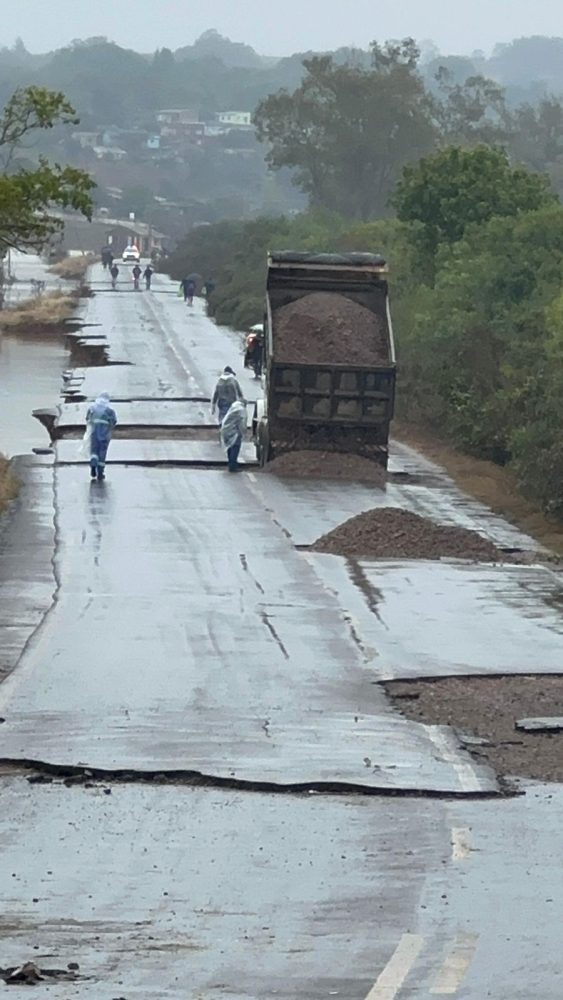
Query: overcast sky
{"points": [[279, 27]]}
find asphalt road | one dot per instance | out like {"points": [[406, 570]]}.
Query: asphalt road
{"points": [[250, 816]]}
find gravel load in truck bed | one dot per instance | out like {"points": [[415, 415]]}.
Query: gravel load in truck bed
{"points": [[393, 533], [326, 465], [325, 328]]}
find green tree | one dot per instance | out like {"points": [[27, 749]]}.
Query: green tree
{"points": [[457, 188], [104, 81], [472, 112], [347, 132], [28, 196], [476, 360]]}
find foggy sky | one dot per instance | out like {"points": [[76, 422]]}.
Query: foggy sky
{"points": [[279, 27]]}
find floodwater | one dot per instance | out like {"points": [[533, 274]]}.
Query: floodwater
{"points": [[30, 378], [30, 368]]}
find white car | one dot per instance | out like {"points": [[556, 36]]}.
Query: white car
{"points": [[131, 255]]}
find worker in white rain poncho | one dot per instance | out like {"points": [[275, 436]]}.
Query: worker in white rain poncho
{"points": [[100, 421], [233, 427]]}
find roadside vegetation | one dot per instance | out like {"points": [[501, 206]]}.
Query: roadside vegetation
{"points": [[42, 314], [8, 484], [73, 268]]}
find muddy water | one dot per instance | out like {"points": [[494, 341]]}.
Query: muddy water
{"points": [[30, 367], [30, 377]]}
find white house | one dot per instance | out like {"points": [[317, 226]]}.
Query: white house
{"points": [[236, 119]]}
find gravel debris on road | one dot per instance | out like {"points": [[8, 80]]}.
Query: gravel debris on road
{"points": [[326, 465], [488, 708], [394, 533]]}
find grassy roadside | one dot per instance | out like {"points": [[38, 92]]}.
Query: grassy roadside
{"points": [[491, 484], [9, 485], [73, 268], [42, 314]]}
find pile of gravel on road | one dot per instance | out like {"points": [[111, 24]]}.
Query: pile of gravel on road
{"points": [[326, 465], [488, 708], [393, 533], [325, 328]]}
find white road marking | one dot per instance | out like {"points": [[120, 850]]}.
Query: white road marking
{"points": [[252, 477], [461, 843], [389, 981], [456, 965], [446, 745]]}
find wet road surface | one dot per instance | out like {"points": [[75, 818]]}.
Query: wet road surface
{"points": [[244, 667], [190, 641]]}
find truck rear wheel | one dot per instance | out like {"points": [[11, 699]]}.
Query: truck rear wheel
{"points": [[262, 443]]}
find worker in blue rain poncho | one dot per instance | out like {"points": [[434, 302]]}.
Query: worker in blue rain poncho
{"points": [[100, 421], [233, 427]]}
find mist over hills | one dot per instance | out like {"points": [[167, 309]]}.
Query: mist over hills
{"points": [[214, 68], [214, 167]]}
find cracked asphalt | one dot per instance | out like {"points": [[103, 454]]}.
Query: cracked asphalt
{"points": [[301, 838]]}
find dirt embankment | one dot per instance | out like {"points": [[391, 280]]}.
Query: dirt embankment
{"points": [[325, 328], [487, 708], [495, 486], [326, 465], [394, 533]]}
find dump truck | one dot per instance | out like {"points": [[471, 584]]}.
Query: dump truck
{"points": [[329, 357]]}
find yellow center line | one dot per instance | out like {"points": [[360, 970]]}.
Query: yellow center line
{"points": [[389, 981], [456, 965], [461, 843]]}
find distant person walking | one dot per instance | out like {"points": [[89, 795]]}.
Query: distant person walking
{"points": [[233, 428], [187, 286], [147, 275], [114, 271], [210, 287], [100, 421], [227, 391], [136, 272]]}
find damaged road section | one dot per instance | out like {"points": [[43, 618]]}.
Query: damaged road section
{"points": [[486, 712], [44, 773], [30, 974]]}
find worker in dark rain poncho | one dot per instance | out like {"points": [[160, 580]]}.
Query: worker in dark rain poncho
{"points": [[227, 391], [187, 289], [233, 428], [100, 421]]}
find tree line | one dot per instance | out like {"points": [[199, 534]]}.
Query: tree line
{"points": [[347, 131], [476, 257], [342, 125]]}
